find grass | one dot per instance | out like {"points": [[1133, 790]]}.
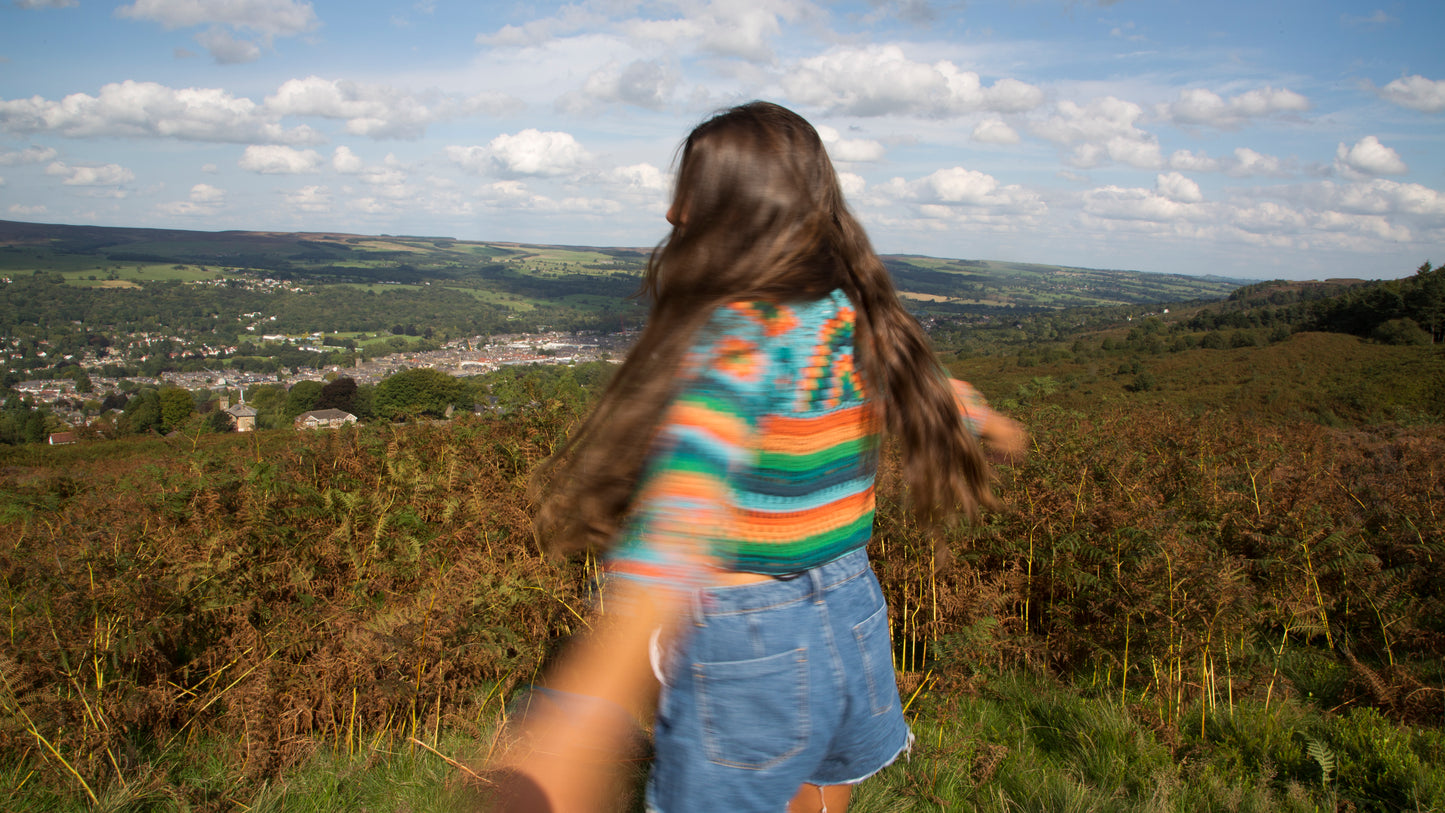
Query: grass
{"points": [[1025, 743], [198, 778], [507, 300], [1013, 742]]}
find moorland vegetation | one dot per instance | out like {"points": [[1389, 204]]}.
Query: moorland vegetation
{"points": [[1215, 583]]}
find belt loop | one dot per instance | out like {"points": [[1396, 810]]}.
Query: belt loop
{"points": [[815, 575], [695, 601]]}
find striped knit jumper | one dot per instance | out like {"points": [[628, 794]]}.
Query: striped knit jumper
{"points": [[765, 460]]}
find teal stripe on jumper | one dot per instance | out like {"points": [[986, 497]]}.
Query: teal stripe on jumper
{"points": [[806, 464]]}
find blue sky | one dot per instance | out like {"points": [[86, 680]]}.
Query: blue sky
{"points": [[1299, 140]]}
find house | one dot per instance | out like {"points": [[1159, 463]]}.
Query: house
{"points": [[324, 419], [243, 415], [61, 438]]}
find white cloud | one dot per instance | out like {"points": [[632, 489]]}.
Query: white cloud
{"points": [[1375, 197], [226, 49], [1368, 157], [744, 29], [954, 187], [1096, 122], [93, 175], [29, 155], [204, 200], [390, 176], [274, 159], [639, 177], [207, 194], [959, 185], [1201, 106], [1189, 162], [666, 32], [345, 161], [22, 210], [1417, 93], [1247, 163], [1120, 203], [1178, 188], [572, 17], [881, 80], [1103, 128], [1136, 152], [853, 185], [379, 111], [529, 152], [474, 158], [721, 27], [513, 196], [1324, 215], [309, 199], [1270, 218], [642, 83], [368, 205], [849, 149], [994, 131], [140, 109], [268, 19], [280, 18]]}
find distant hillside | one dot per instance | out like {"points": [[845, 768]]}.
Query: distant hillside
{"points": [[1409, 310], [1327, 378], [522, 278], [1328, 352]]}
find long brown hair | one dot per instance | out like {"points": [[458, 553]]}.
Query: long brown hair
{"points": [[758, 215]]}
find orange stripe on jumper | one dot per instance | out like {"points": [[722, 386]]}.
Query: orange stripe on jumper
{"points": [[723, 427], [807, 434], [683, 485], [789, 526]]}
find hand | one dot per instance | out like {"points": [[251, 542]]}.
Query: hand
{"points": [[1006, 438]]}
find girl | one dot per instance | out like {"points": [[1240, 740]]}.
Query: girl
{"points": [[729, 468]]}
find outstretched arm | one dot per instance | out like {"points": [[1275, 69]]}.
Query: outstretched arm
{"points": [[1004, 437]]}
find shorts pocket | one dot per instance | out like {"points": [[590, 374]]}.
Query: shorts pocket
{"points": [[754, 713], [876, 651]]}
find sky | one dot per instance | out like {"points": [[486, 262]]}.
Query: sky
{"points": [[1293, 139]]}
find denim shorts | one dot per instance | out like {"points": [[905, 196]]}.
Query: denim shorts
{"points": [[774, 684]]}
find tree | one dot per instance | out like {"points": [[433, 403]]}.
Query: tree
{"points": [[218, 421], [1400, 331], [1426, 299], [269, 401], [35, 427], [143, 412], [302, 397], [176, 406], [415, 393], [338, 394]]}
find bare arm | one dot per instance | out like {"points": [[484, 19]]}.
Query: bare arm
{"points": [[1006, 438]]}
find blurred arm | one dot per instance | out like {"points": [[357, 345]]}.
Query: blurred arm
{"points": [[1004, 436]]}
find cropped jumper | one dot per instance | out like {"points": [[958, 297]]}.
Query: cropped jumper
{"points": [[766, 457]]}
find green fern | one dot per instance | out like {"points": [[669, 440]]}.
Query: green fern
{"points": [[1323, 757]]}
